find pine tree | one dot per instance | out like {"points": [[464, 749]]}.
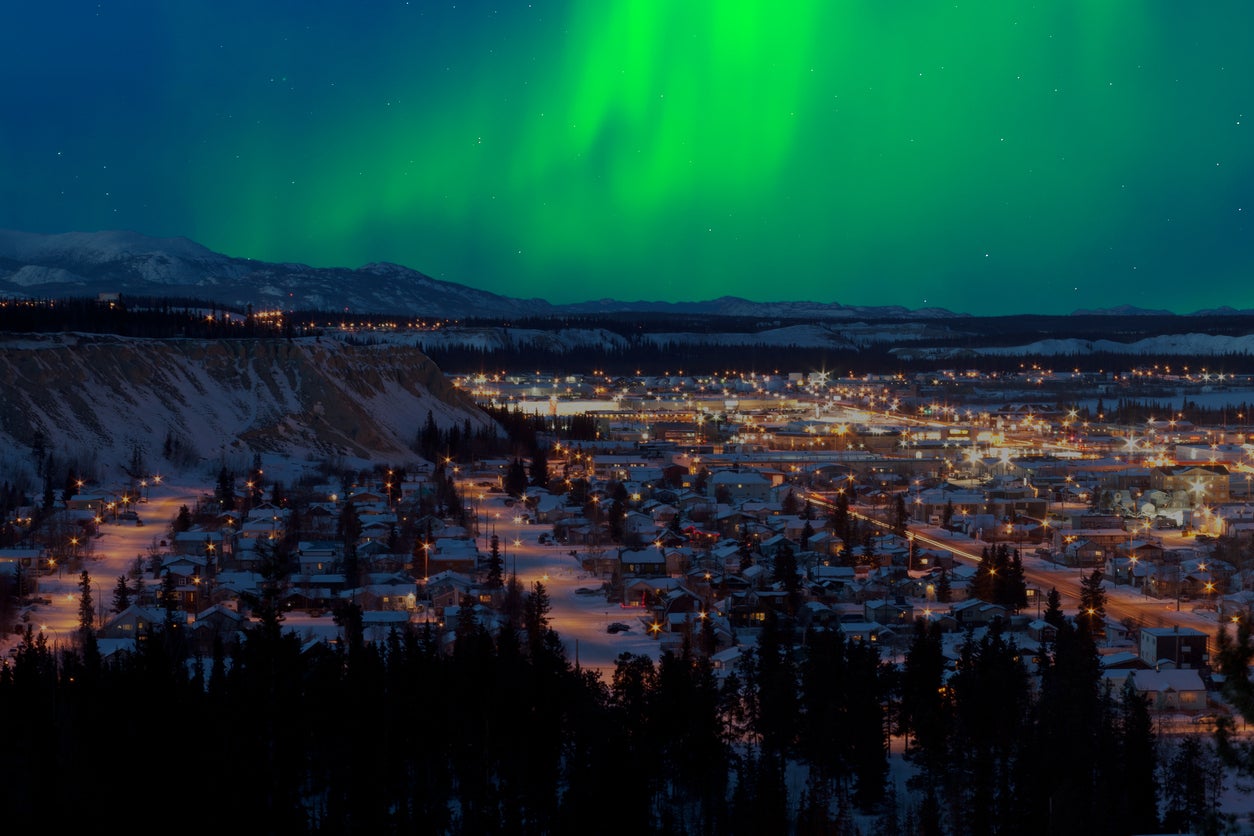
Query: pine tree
{"points": [[429, 439], [983, 582], [840, 517], [516, 478], [540, 468], [868, 750], [924, 708], [495, 576], [225, 491], [1091, 618], [1053, 609], [86, 609], [1137, 771], [785, 574], [121, 594], [536, 609], [168, 595], [900, 517], [1234, 659]]}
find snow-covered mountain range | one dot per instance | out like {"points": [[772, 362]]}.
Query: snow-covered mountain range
{"points": [[88, 263], [85, 264]]}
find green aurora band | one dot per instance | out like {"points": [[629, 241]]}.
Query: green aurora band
{"points": [[986, 157]]}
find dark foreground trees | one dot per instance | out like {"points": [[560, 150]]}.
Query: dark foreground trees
{"points": [[498, 732]]}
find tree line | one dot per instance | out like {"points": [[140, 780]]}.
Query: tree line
{"points": [[497, 730]]}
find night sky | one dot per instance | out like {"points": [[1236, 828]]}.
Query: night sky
{"points": [[987, 157]]}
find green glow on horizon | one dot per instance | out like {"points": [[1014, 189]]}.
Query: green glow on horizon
{"points": [[993, 157]]}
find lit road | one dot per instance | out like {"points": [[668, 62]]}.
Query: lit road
{"points": [[580, 614], [109, 555], [1124, 604]]}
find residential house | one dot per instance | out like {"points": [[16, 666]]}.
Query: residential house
{"points": [[453, 555], [218, 623], [896, 612], [134, 622], [974, 611], [1170, 690], [642, 562], [1040, 630], [1174, 647]]}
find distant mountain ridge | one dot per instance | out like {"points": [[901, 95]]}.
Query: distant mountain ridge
{"points": [[86, 264], [76, 264]]}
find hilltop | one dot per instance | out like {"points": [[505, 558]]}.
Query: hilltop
{"points": [[94, 399]]}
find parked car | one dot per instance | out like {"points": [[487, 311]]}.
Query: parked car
{"points": [[618, 627]]}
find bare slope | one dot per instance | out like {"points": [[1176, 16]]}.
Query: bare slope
{"points": [[93, 398]]}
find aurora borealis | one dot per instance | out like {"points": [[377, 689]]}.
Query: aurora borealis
{"points": [[986, 157]]}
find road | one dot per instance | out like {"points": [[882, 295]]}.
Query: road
{"points": [[581, 618], [111, 554], [1124, 604], [580, 614]]}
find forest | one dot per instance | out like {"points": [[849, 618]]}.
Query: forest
{"points": [[158, 317], [498, 732]]}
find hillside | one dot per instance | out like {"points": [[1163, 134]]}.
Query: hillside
{"points": [[92, 399]]}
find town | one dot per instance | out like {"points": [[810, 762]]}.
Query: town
{"points": [[655, 518], [681, 494]]}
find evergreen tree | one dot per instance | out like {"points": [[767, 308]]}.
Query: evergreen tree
{"points": [[1091, 617], [516, 478], [771, 675], [225, 490], [495, 576], [785, 574], [924, 713], [1234, 660], [1070, 733], [944, 587], [840, 517], [1193, 784], [71, 486], [1014, 591], [429, 439], [168, 596], [983, 583], [616, 518], [991, 700], [86, 609], [540, 468], [121, 594], [536, 609], [868, 750], [900, 517], [1136, 774], [1053, 609]]}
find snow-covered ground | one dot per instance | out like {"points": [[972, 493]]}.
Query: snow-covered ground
{"points": [[579, 611], [581, 619]]}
